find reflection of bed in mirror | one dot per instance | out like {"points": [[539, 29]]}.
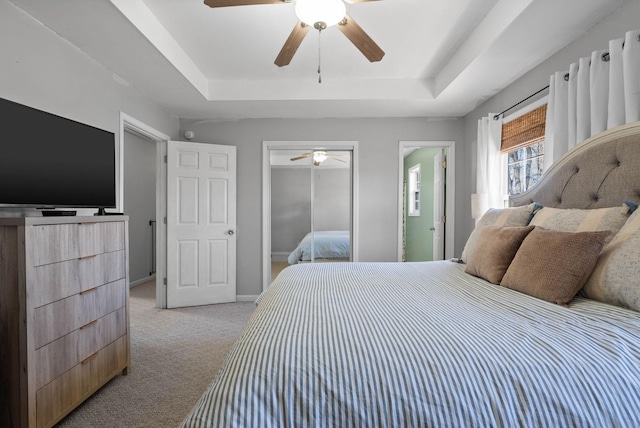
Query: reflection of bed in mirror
{"points": [[305, 197], [326, 245]]}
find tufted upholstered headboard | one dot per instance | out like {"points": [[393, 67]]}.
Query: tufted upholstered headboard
{"points": [[601, 172]]}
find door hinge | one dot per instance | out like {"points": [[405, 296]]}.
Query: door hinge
{"points": [[444, 218], [164, 281], [165, 158], [444, 164], [165, 220]]}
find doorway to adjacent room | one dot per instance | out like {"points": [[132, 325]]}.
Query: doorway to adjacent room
{"points": [[145, 141], [140, 205], [426, 189]]}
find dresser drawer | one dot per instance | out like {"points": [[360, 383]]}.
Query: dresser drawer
{"points": [[59, 397], [60, 355], [59, 318], [60, 242], [56, 281]]}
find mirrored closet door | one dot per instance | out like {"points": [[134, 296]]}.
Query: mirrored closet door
{"points": [[311, 206]]}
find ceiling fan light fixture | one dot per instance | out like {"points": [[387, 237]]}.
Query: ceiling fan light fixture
{"points": [[329, 12], [319, 157]]}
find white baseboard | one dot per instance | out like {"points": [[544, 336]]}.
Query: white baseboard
{"points": [[142, 281], [239, 298], [280, 257]]}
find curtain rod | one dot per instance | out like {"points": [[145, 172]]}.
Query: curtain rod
{"points": [[497, 116]]}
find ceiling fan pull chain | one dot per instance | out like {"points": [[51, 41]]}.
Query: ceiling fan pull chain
{"points": [[319, 55]]}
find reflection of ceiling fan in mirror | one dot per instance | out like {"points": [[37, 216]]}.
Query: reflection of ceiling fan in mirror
{"points": [[318, 14], [319, 156]]}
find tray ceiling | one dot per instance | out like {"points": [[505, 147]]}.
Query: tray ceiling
{"points": [[443, 57]]}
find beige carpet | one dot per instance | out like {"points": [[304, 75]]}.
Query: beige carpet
{"points": [[175, 354], [276, 268]]}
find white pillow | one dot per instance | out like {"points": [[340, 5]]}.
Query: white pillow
{"points": [[577, 220], [616, 277]]}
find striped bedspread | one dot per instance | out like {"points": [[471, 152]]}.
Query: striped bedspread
{"points": [[423, 344]]}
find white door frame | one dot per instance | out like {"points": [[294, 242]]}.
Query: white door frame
{"points": [[438, 205], [449, 194], [267, 146], [132, 124]]}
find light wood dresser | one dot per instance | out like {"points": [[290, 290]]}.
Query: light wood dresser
{"points": [[64, 313]]}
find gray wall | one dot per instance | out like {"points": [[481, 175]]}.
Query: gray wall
{"points": [[378, 175], [291, 204], [625, 19], [332, 199], [41, 70], [139, 201]]}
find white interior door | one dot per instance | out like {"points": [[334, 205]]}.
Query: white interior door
{"points": [[201, 224], [438, 206]]}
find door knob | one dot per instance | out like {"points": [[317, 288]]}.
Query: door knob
{"points": [[230, 232]]}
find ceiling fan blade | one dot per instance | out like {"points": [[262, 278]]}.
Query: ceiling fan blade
{"points": [[360, 39], [226, 3], [338, 159], [291, 45], [304, 156]]}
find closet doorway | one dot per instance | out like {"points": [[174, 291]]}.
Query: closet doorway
{"points": [[309, 204]]}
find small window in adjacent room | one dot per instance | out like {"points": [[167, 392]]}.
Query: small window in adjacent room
{"points": [[414, 190], [523, 143]]}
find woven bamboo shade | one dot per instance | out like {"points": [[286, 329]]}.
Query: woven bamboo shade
{"points": [[524, 131]]}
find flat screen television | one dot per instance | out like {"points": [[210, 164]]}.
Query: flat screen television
{"points": [[47, 161]]}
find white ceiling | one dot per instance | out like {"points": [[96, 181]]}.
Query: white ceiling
{"points": [[443, 57]]}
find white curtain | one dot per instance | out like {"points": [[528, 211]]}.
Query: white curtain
{"points": [[491, 164], [597, 93]]}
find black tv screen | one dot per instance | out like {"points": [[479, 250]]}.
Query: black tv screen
{"points": [[49, 161]]}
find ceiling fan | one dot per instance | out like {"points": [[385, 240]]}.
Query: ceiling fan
{"points": [[319, 156], [319, 14]]}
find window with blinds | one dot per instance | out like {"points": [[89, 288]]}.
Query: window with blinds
{"points": [[523, 142]]}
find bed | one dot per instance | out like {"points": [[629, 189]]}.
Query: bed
{"points": [[325, 244], [429, 344]]}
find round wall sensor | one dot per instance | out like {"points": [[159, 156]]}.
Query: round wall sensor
{"points": [[189, 135]]}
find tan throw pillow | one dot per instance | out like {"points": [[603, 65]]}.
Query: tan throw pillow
{"points": [[506, 217], [553, 265], [616, 277], [494, 249]]}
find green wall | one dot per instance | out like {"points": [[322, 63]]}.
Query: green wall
{"points": [[419, 237]]}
